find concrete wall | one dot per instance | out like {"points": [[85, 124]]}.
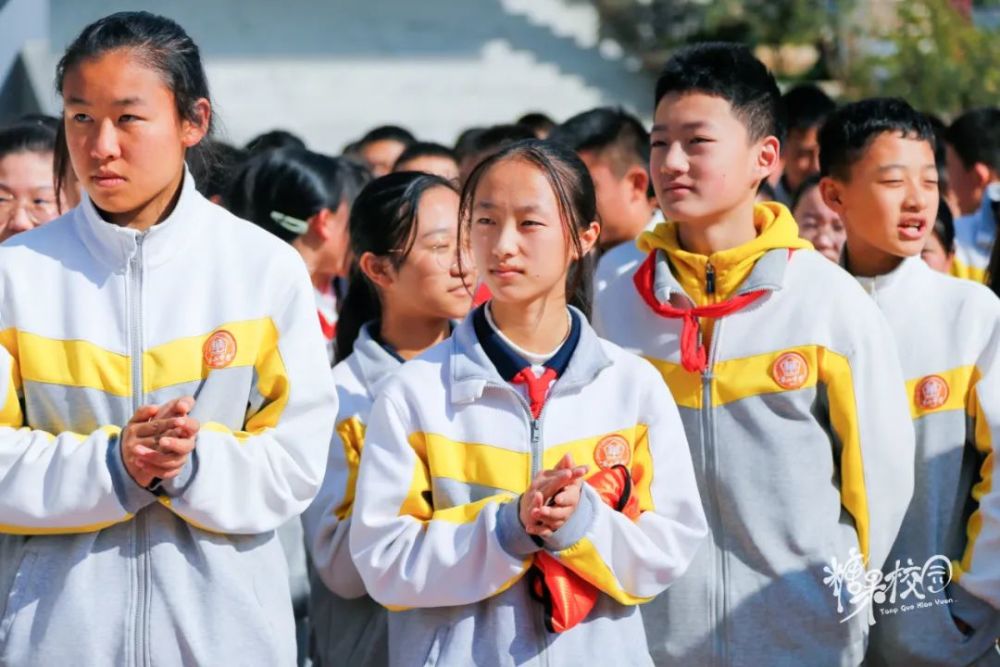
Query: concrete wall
{"points": [[332, 69]]}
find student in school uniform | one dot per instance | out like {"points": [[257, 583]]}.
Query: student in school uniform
{"points": [[615, 147], [168, 401], [524, 485], [879, 174], [786, 376], [973, 158], [406, 287]]}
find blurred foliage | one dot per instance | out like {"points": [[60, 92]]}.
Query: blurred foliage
{"points": [[928, 51]]}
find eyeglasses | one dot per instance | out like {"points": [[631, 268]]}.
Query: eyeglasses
{"points": [[445, 254], [38, 209]]}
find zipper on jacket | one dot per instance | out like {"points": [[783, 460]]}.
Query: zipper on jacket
{"points": [[712, 478], [537, 455], [709, 279], [140, 531]]}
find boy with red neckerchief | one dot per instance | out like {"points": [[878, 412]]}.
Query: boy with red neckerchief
{"points": [[786, 377]]}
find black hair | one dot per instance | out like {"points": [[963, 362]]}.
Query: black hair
{"points": [[424, 149], [466, 141], [806, 106], [45, 120], [975, 137], [280, 190], [611, 131], [162, 45], [356, 174], [27, 137], [944, 227], [228, 160], [383, 222], [574, 192], [272, 140], [809, 183], [732, 72], [940, 153], [849, 131], [498, 136], [536, 122], [387, 133]]}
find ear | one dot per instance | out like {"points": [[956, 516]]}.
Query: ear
{"points": [[637, 180], [983, 174], [319, 224], [588, 238], [768, 157], [832, 192], [193, 131], [377, 269]]}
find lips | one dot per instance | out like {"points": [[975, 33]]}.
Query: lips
{"points": [[676, 189], [107, 179], [505, 272], [912, 229]]}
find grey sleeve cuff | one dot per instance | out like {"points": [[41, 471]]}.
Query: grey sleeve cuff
{"points": [[511, 534], [131, 496], [176, 486], [578, 524]]}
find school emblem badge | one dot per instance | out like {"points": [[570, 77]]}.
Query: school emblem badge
{"points": [[790, 370], [611, 451], [219, 350], [932, 392]]}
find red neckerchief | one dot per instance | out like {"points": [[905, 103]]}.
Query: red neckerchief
{"points": [[694, 356]]}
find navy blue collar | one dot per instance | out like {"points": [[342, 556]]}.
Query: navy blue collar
{"points": [[508, 362]]}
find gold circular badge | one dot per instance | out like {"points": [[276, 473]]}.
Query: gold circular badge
{"points": [[219, 350], [611, 451], [932, 392], [790, 370]]}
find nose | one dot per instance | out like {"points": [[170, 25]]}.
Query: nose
{"points": [[106, 145], [916, 198], [506, 241], [814, 162], [674, 162]]}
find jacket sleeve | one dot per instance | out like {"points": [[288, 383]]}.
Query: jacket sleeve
{"points": [[634, 561], [327, 522], [979, 569], [411, 554], [254, 480], [57, 483], [872, 429]]}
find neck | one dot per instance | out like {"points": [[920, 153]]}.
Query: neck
{"points": [[152, 212], [309, 253], [635, 228], [537, 327], [409, 335], [866, 261], [731, 230]]}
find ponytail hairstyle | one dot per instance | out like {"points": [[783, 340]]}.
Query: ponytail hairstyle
{"points": [[383, 222], [993, 270], [574, 192], [162, 45], [279, 190]]}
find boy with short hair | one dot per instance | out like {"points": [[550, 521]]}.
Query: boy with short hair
{"points": [[879, 175], [806, 107], [973, 156], [615, 147], [786, 377]]}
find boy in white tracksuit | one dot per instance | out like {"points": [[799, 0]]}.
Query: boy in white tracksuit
{"points": [[879, 176]]}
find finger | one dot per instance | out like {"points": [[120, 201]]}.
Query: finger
{"points": [[143, 414], [566, 462], [580, 471], [178, 407], [550, 514], [176, 446], [156, 461], [162, 473]]}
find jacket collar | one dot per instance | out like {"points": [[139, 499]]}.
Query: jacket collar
{"points": [[883, 285], [768, 274], [115, 245], [375, 361], [472, 370]]}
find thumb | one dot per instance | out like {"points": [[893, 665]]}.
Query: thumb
{"points": [[565, 463]]}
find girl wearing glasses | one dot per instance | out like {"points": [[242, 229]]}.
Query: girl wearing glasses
{"points": [[27, 190]]}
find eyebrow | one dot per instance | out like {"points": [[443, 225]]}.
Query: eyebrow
{"points": [[693, 125], [123, 102], [527, 208], [435, 232], [888, 167]]}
